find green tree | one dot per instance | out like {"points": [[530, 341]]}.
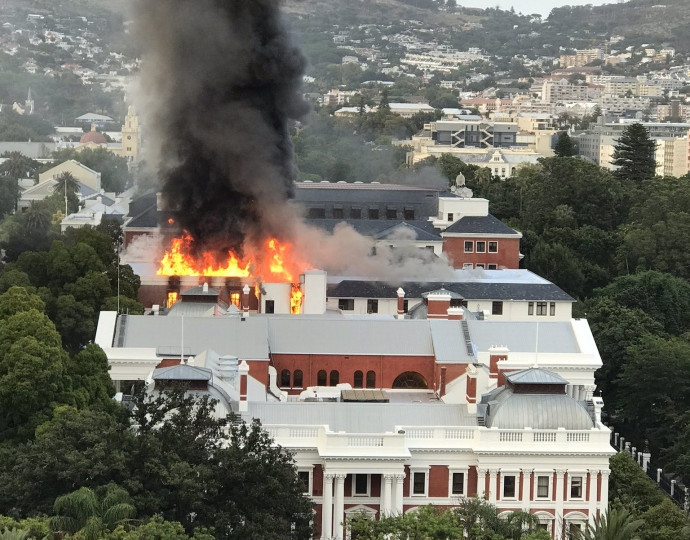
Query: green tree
{"points": [[616, 524], [83, 512], [564, 145], [633, 154], [66, 189]]}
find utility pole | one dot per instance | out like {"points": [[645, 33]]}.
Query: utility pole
{"points": [[118, 276]]}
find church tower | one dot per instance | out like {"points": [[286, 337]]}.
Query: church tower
{"points": [[130, 135], [29, 104]]}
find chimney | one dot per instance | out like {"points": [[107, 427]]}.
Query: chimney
{"points": [[401, 303], [205, 286], [243, 370], [442, 391], [245, 300], [471, 395], [438, 303], [497, 354]]}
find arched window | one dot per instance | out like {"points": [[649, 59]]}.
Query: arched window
{"points": [[359, 379], [297, 378], [410, 379], [321, 378], [371, 379], [335, 378], [285, 378]]}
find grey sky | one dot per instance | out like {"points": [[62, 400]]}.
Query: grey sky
{"points": [[542, 7]]}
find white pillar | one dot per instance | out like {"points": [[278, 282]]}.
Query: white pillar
{"points": [[526, 484], [593, 475], [493, 474], [481, 483], [604, 502], [339, 508], [398, 494], [386, 495], [559, 521], [327, 508]]}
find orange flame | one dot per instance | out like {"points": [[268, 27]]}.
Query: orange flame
{"points": [[296, 296], [275, 262]]}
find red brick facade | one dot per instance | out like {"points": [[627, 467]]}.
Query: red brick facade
{"points": [[507, 256]]}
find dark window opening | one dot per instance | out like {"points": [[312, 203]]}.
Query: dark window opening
{"points": [[285, 378], [408, 214], [359, 379], [493, 247], [338, 213], [541, 308], [373, 213], [419, 483], [372, 305], [346, 304], [297, 378], [391, 213], [481, 247], [497, 307], [361, 484], [334, 378], [450, 216], [509, 486], [469, 246], [355, 213], [552, 309], [321, 378], [270, 306], [371, 379], [458, 486], [530, 308], [304, 481], [316, 213]]}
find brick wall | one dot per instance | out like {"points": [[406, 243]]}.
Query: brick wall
{"points": [[508, 255]]}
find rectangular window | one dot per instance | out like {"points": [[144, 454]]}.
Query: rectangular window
{"points": [[317, 213], [479, 265], [346, 304], [509, 487], [469, 246], [552, 308], [355, 213], [576, 487], [493, 247], [541, 308], [270, 306], [361, 485], [372, 305], [408, 214], [391, 213], [373, 213], [497, 307], [542, 487], [450, 216], [530, 308], [481, 247], [493, 267], [458, 486], [405, 306], [419, 483], [304, 481], [338, 213]]}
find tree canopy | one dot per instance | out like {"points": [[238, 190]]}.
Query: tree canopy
{"points": [[633, 154]]}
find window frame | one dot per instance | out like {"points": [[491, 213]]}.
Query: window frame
{"points": [[301, 379], [480, 246], [530, 308], [497, 307], [354, 492], [283, 372], [358, 374], [451, 481], [370, 372], [470, 244], [581, 479], [494, 244], [334, 377], [310, 479], [413, 472], [269, 306], [319, 374], [552, 309], [343, 302], [504, 477], [372, 305], [549, 479], [541, 310]]}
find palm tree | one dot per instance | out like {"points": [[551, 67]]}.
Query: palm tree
{"points": [[66, 182], [81, 511], [617, 524], [37, 218], [13, 534], [17, 166]]}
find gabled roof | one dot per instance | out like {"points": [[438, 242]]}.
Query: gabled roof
{"points": [[479, 225], [535, 376]]}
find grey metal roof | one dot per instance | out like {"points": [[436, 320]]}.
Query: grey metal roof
{"points": [[350, 336], [182, 372], [554, 337], [538, 411], [382, 228], [199, 291], [226, 335], [480, 225], [471, 290], [362, 417], [535, 376], [449, 342]]}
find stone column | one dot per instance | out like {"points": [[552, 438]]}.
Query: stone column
{"points": [[604, 502], [493, 474], [327, 508], [481, 483], [593, 476], [559, 522], [398, 495], [339, 507], [386, 495], [526, 485]]}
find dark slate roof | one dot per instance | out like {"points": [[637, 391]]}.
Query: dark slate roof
{"points": [[381, 228], [470, 290], [480, 225]]}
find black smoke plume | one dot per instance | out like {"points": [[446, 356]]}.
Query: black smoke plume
{"points": [[222, 80]]}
